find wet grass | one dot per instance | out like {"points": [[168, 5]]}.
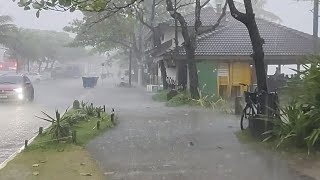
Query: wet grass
{"points": [[160, 96], [86, 130], [52, 164], [61, 160]]}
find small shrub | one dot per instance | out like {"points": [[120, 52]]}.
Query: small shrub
{"points": [[161, 96], [99, 110], [90, 110], [74, 116], [182, 98], [296, 126], [83, 104], [221, 105], [59, 128], [76, 104], [204, 100]]}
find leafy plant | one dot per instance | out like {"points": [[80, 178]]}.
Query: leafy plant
{"points": [[182, 98], [90, 110], [160, 96], [295, 126], [299, 121], [99, 110], [59, 128], [221, 105], [203, 100], [83, 104], [74, 117]]}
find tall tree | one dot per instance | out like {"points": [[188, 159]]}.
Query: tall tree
{"points": [[258, 8], [7, 30], [248, 19]]}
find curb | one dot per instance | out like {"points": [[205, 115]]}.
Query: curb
{"points": [[12, 156]]}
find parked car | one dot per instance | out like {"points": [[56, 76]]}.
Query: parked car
{"points": [[34, 77], [16, 88]]}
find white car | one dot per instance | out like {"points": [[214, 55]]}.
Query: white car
{"points": [[34, 77]]}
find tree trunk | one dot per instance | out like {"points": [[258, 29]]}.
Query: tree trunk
{"points": [[130, 64], [315, 25], [182, 73], [248, 19], [193, 74], [258, 54], [39, 67], [163, 74]]}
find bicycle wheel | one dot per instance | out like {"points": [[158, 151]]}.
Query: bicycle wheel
{"points": [[246, 113]]}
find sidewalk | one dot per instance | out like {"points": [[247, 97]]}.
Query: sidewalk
{"points": [[156, 142]]}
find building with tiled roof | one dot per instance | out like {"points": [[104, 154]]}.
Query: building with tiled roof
{"points": [[223, 55]]}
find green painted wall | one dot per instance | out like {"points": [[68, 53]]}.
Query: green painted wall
{"points": [[207, 74]]}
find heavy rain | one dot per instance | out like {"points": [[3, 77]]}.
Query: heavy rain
{"points": [[159, 89]]}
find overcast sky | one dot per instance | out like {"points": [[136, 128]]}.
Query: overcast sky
{"points": [[294, 14]]}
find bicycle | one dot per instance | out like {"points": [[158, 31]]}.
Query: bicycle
{"points": [[252, 107]]}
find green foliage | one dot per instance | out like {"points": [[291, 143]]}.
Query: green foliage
{"points": [[75, 116], [204, 100], [222, 105], [98, 112], [7, 31], [83, 104], [76, 104], [60, 128], [90, 110], [182, 98], [300, 119], [112, 33], [160, 96]]}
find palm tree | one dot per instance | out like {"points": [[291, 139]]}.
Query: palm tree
{"points": [[7, 30]]}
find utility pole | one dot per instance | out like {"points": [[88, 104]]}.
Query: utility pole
{"points": [[315, 25]]}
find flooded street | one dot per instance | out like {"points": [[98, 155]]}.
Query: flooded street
{"points": [[151, 141], [18, 121], [156, 142]]}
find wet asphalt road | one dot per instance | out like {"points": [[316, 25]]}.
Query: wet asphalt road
{"points": [[18, 122], [156, 142], [151, 141]]}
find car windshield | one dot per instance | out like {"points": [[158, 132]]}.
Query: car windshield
{"points": [[10, 80]]}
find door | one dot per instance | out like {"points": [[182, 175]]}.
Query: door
{"points": [[207, 75]]}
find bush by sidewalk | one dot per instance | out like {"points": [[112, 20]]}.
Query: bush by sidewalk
{"points": [[184, 98], [59, 153]]}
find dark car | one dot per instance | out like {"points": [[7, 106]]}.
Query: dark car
{"points": [[16, 88], [66, 72]]}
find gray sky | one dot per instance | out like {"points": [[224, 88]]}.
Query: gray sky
{"points": [[48, 20], [294, 14]]}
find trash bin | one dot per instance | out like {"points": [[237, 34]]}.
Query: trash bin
{"points": [[89, 82]]}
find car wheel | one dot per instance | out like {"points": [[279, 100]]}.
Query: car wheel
{"points": [[31, 97]]}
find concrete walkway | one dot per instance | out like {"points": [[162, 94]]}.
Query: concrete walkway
{"points": [[156, 142]]}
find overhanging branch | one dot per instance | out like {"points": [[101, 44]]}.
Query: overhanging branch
{"points": [[204, 4], [236, 13]]}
